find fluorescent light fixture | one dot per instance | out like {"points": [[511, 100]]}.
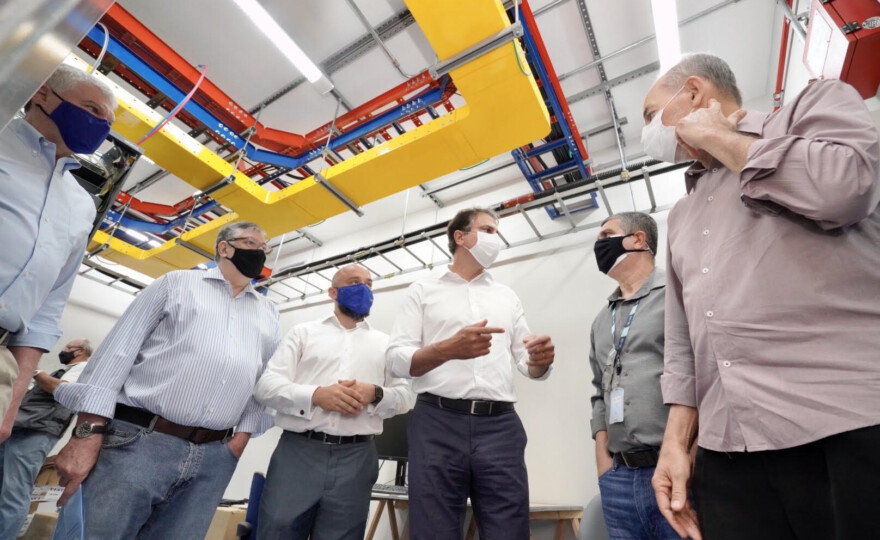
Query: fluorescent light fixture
{"points": [[202, 266], [262, 20], [136, 235], [155, 243], [666, 30], [147, 160]]}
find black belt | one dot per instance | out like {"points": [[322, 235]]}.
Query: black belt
{"points": [[326, 438], [154, 422], [638, 459], [475, 407]]}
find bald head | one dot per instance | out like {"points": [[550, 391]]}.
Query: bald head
{"points": [[352, 275], [77, 350]]}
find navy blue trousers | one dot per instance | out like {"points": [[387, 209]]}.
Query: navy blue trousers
{"points": [[453, 456]]}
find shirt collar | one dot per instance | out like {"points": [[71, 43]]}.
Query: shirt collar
{"points": [[751, 124], [656, 280], [332, 319], [215, 273], [32, 138], [445, 274]]}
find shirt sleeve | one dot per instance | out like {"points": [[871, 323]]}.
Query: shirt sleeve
{"points": [[677, 383], [276, 388], [597, 421], [517, 347], [98, 387], [406, 334], [72, 374], [43, 329], [397, 398], [255, 419], [827, 166]]}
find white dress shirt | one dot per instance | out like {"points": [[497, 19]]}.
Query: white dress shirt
{"points": [[436, 308], [320, 353], [46, 219], [187, 350]]}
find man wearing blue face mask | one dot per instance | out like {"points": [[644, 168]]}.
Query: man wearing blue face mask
{"points": [[331, 388], [46, 217]]}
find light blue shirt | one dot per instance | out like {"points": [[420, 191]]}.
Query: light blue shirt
{"points": [[187, 350], [46, 219]]}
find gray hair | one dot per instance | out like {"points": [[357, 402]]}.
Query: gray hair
{"points": [[68, 77], [633, 222], [708, 66], [233, 230], [86, 347]]}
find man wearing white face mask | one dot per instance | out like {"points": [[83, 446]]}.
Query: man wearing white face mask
{"points": [[771, 310], [455, 336]]}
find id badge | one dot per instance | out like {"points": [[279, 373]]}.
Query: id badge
{"points": [[615, 415]]}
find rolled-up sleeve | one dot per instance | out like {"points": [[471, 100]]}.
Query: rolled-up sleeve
{"points": [[827, 166], [597, 400], [677, 382], [406, 335], [98, 387]]}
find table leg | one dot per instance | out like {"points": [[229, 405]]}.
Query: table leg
{"points": [[392, 517], [560, 530], [472, 528], [576, 527], [377, 515]]}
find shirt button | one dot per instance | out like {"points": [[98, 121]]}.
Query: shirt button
{"points": [[725, 363], [709, 314], [46, 220], [706, 271], [223, 381], [302, 412], [35, 152], [711, 198], [706, 232], [715, 169], [211, 409]]}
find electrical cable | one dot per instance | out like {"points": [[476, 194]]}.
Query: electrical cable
{"points": [[100, 57], [176, 109], [474, 165]]}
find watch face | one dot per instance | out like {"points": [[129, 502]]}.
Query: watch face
{"points": [[83, 430]]}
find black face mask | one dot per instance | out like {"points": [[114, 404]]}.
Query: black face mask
{"points": [[66, 357], [249, 261], [608, 250]]}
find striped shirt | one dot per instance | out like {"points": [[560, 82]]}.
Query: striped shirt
{"points": [[187, 350], [46, 219]]}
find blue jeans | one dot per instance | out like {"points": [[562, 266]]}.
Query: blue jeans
{"points": [[629, 506], [21, 457], [152, 485]]}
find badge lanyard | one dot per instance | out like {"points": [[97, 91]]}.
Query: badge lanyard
{"points": [[623, 333]]}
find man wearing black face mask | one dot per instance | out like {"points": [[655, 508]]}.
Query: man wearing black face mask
{"points": [[171, 390], [626, 357], [39, 424], [46, 218], [331, 387]]}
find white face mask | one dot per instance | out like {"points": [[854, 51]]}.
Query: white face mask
{"points": [[660, 142], [486, 250]]}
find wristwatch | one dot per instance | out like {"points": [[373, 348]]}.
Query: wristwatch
{"points": [[37, 372], [87, 429], [379, 395]]}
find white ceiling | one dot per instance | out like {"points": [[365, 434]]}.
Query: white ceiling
{"points": [[242, 62]]}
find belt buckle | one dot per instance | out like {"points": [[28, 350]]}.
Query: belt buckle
{"points": [[625, 462], [474, 407], [324, 438]]}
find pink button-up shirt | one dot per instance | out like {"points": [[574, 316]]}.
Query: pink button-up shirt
{"points": [[773, 280]]}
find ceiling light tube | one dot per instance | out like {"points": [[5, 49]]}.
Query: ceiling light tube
{"points": [[272, 30], [666, 29]]}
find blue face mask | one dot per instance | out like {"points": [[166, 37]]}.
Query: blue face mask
{"points": [[82, 131], [355, 298]]}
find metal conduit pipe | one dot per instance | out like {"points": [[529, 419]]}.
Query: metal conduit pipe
{"points": [[644, 40], [377, 39]]}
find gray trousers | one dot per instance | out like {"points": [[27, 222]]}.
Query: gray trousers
{"points": [[316, 490]]}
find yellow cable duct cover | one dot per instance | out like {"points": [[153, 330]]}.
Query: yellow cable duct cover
{"points": [[503, 110]]}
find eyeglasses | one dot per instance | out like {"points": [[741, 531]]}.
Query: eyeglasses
{"points": [[250, 243]]}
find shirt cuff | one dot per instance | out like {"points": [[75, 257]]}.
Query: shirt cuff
{"points": [[80, 397], [37, 340], [302, 401], [542, 377], [385, 409], [401, 361], [763, 159], [255, 423], [678, 389]]}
